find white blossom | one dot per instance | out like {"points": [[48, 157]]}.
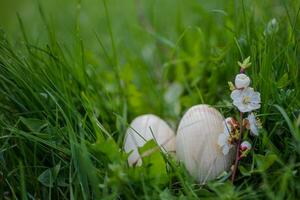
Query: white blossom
{"points": [[254, 125], [242, 81], [223, 140], [246, 99]]}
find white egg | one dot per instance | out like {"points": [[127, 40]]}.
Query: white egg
{"points": [[197, 143], [143, 129]]}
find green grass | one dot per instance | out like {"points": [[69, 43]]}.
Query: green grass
{"points": [[74, 74]]}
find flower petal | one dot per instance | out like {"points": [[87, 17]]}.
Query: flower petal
{"points": [[255, 97], [254, 129], [254, 106], [243, 107], [235, 94], [225, 149], [222, 139], [253, 124]]}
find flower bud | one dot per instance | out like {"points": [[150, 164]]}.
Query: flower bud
{"points": [[242, 81], [245, 146]]}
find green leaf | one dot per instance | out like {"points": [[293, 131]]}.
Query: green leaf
{"points": [[34, 125], [283, 81], [244, 171], [154, 162], [61, 181], [166, 195], [231, 86], [48, 177], [265, 162], [109, 148], [162, 39], [294, 130], [246, 63]]}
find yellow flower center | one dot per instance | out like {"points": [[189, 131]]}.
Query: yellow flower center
{"points": [[258, 122], [230, 140], [246, 100], [233, 136]]}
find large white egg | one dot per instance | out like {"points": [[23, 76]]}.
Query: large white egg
{"points": [[197, 143], [143, 129]]}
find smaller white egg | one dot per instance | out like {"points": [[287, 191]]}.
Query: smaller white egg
{"points": [[143, 129]]}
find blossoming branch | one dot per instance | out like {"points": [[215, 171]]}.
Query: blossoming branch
{"points": [[246, 100]]}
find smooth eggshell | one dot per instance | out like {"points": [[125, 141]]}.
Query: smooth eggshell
{"points": [[143, 129], [196, 143]]}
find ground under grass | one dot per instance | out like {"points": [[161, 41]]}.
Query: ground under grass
{"points": [[73, 74]]}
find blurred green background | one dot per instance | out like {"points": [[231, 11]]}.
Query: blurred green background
{"points": [[152, 38]]}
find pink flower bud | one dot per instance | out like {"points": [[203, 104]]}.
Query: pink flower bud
{"points": [[245, 146]]}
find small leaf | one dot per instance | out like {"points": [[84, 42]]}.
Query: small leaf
{"points": [[109, 148], [283, 81], [244, 171], [246, 63], [148, 147], [166, 195], [265, 162], [162, 39], [61, 181], [231, 86], [48, 177], [223, 176], [154, 162], [34, 125]]}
